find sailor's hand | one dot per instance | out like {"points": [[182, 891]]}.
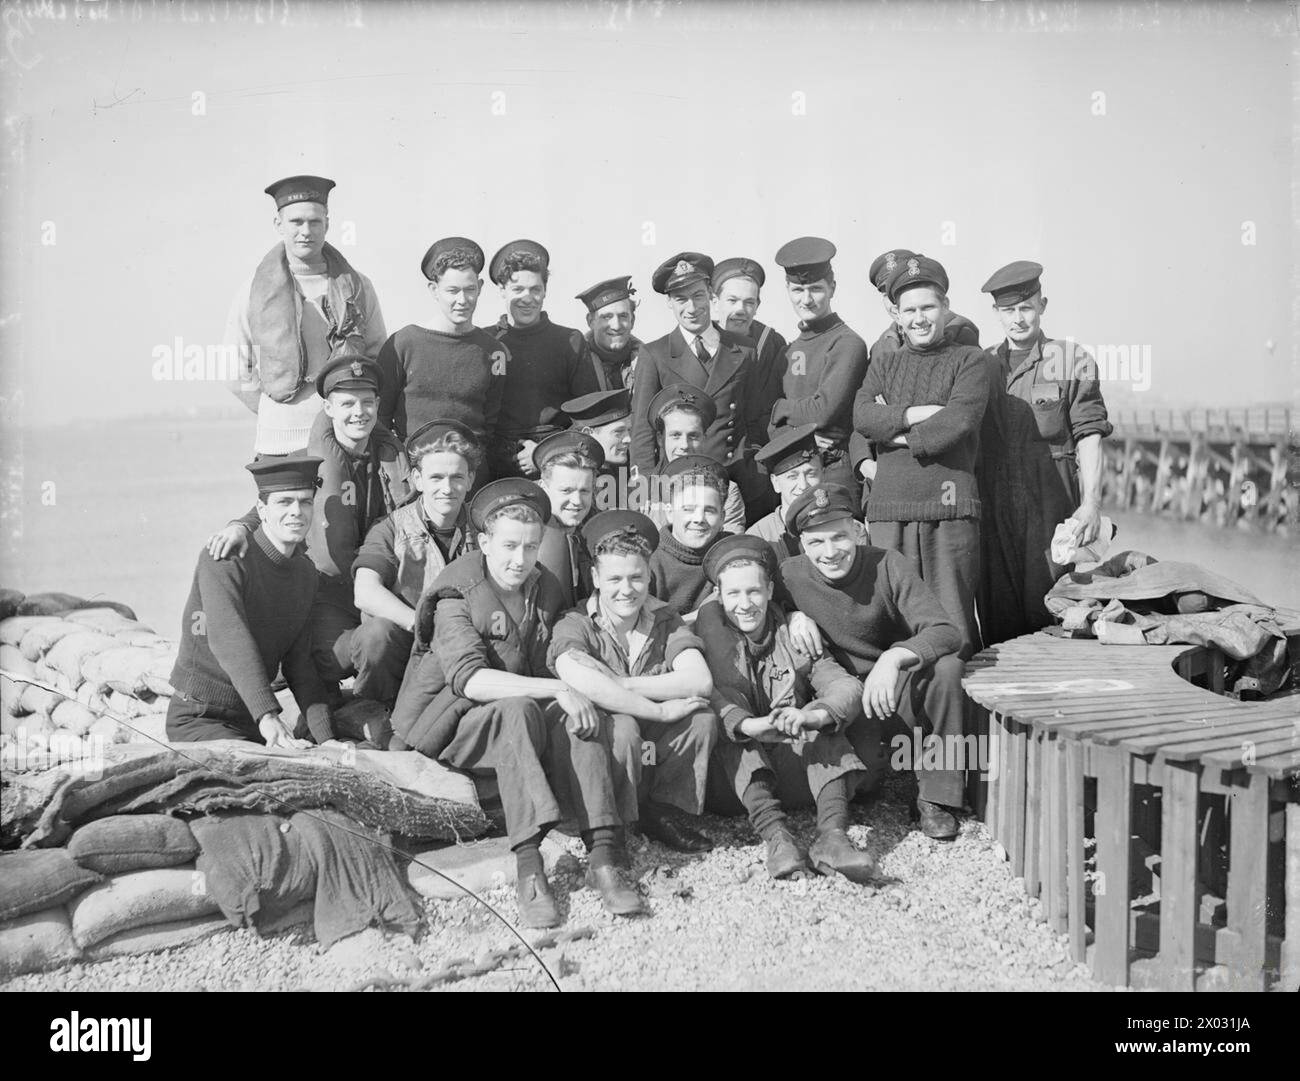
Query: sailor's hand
{"points": [[880, 689], [231, 541], [582, 719], [524, 459], [678, 709], [1089, 518], [762, 730], [805, 635], [277, 734], [867, 468], [824, 442]]}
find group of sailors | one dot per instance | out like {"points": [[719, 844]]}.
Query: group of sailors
{"points": [[635, 579]]}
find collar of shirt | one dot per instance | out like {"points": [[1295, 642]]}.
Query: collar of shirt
{"points": [[712, 339], [640, 633]]}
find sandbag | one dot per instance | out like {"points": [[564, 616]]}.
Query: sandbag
{"points": [[146, 728], [70, 716], [13, 661], [38, 700], [10, 599], [34, 879], [122, 668], [37, 941], [126, 706], [14, 628], [40, 639], [121, 843], [69, 654], [147, 639], [107, 620], [139, 899], [49, 604], [160, 936]]}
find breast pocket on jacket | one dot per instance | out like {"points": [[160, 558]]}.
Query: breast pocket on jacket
{"points": [[1051, 409]]}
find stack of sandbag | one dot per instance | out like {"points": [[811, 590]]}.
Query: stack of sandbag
{"points": [[95, 651], [124, 884]]}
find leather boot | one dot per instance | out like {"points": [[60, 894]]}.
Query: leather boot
{"points": [[537, 906], [615, 893], [784, 859], [833, 852], [937, 822]]}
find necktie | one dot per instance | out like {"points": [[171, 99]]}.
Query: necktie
{"points": [[700, 351]]}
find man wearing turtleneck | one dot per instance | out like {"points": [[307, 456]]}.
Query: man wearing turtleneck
{"points": [[303, 302], [922, 407], [695, 520], [825, 364], [549, 364], [450, 370]]}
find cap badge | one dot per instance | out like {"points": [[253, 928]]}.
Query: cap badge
{"points": [[820, 497], [913, 268], [686, 398], [891, 261], [683, 267], [357, 370]]}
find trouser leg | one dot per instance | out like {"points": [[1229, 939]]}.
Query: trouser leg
{"points": [[332, 630], [379, 650], [510, 738], [192, 721], [932, 702], [581, 773], [946, 556], [628, 752], [680, 769]]}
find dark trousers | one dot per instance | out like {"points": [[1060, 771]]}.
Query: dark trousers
{"points": [[192, 721], [347, 644], [801, 770], [946, 555], [545, 775], [667, 764], [931, 701]]}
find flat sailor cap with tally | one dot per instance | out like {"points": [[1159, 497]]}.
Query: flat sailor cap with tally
{"points": [[508, 492], [695, 463], [446, 246], [609, 291], [917, 270], [883, 267], [300, 189], [738, 267], [569, 442], [1014, 282], [292, 473], [742, 546], [599, 526], [817, 505], [599, 407], [677, 394], [512, 251], [806, 259], [684, 269], [788, 448]]}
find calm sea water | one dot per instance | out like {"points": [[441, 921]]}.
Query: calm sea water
{"points": [[121, 512]]}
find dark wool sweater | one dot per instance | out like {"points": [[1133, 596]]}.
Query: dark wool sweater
{"points": [[882, 603], [246, 619], [549, 364], [430, 375], [823, 367], [771, 368], [616, 366], [933, 477], [677, 573]]}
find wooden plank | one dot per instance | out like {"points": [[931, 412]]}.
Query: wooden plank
{"points": [[1178, 848], [1291, 937], [1286, 764], [1113, 825], [1015, 793], [1231, 758], [995, 777], [1055, 873], [1115, 729], [1033, 794], [1076, 915], [1247, 881], [1181, 746]]}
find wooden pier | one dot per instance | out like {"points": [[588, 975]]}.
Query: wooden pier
{"points": [[1226, 467]]}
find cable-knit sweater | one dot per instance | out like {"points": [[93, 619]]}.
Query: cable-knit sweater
{"points": [[549, 364], [933, 477], [677, 573]]}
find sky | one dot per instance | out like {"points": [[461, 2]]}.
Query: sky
{"points": [[1144, 153]]}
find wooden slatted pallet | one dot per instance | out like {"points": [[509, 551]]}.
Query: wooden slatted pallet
{"points": [[1065, 713]]}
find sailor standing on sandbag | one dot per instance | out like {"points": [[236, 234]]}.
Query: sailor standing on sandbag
{"points": [[302, 304], [247, 618]]}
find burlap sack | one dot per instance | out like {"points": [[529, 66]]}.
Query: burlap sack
{"points": [[160, 936], [35, 942], [38, 878], [121, 843], [139, 899]]}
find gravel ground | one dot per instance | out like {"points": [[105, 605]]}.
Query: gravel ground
{"points": [[944, 917]]}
